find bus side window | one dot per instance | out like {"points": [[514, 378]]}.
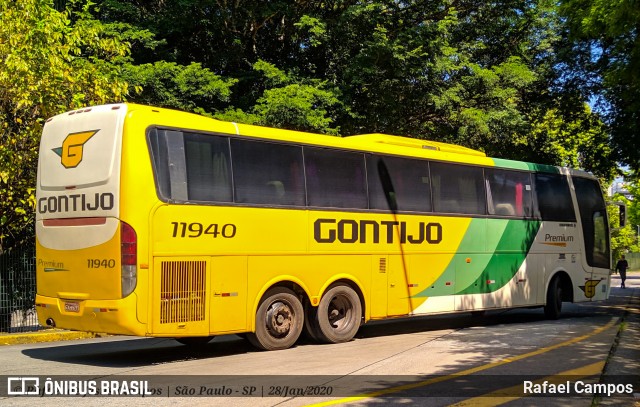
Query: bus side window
{"points": [[208, 167], [160, 157], [267, 173], [457, 189], [554, 198], [409, 188], [169, 164], [335, 179], [509, 193]]}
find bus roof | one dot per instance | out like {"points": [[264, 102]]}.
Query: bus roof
{"points": [[374, 142]]}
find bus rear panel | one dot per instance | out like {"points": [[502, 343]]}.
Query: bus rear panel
{"points": [[86, 264]]}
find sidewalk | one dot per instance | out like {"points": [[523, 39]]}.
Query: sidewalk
{"points": [[624, 360], [47, 335]]}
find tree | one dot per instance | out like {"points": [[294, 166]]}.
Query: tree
{"points": [[487, 75], [578, 141], [623, 239], [167, 84], [605, 56], [51, 62], [297, 104]]}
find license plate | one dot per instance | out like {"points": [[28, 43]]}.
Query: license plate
{"points": [[72, 307]]}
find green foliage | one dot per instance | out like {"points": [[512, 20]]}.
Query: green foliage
{"points": [[623, 240], [302, 106], [167, 84], [298, 107], [480, 74], [580, 141], [606, 57], [51, 62]]}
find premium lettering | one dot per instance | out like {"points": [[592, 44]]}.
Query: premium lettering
{"points": [[558, 238], [371, 231]]}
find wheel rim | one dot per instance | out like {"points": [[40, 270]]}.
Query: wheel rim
{"points": [[279, 319], [340, 312]]}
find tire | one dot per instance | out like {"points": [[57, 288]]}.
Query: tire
{"points": [[339, 315], [194, 341], [554, 299], [479, 314], [310, 325], [279, 320]]}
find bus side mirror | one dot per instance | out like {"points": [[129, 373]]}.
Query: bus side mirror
{"points": [[623, 214]]}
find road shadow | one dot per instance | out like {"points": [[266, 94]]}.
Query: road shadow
{"points": [[134, 352], [137, 352]]}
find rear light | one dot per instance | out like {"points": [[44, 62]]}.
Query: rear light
{"points": [[128, 258]]}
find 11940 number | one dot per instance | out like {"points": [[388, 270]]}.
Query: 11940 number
{"points": [[101, 263], [195, 229]]}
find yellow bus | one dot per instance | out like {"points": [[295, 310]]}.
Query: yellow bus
{"points": [[155, 222]]}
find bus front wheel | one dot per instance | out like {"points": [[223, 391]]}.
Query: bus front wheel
{"points": [[279, 320], [554, 299], [339, 314]]}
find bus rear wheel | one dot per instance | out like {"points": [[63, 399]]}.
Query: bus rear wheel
{"points": [[279, 320], [310, 325], [339, 315], [554, 299]]}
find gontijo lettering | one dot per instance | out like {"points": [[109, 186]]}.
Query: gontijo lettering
{"points": [[364, 231], [76, 203]]}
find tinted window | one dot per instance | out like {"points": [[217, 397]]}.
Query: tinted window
{"points": [[335, 178], [457, 189], [509, 193], [167, 148], [159, 154], [267, 173], [208, 167], [554, 198], [191, 166], [398, 184], [594, 221]]}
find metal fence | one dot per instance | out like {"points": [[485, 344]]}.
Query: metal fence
{"points": [[18, 290]]}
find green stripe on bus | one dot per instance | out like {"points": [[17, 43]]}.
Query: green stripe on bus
{"points": [[484, 264], [507, 258], [519, 165], [475, 241]]}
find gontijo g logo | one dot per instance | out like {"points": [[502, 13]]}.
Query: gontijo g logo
{"points": [[72, 148]]}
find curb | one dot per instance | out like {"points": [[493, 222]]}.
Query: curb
{"points": [[50, 335], [624, 361]]}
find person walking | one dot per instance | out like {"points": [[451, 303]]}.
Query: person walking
{"points": [[622, 267]]}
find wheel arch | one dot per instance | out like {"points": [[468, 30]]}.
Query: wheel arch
{"points": [[290, 282], [353, 284], [565, 284]]}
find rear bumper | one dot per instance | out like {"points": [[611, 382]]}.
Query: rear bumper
{"points": [[103, 316]]}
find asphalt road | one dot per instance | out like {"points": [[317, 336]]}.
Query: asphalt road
{"points": [[441, 360]]}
